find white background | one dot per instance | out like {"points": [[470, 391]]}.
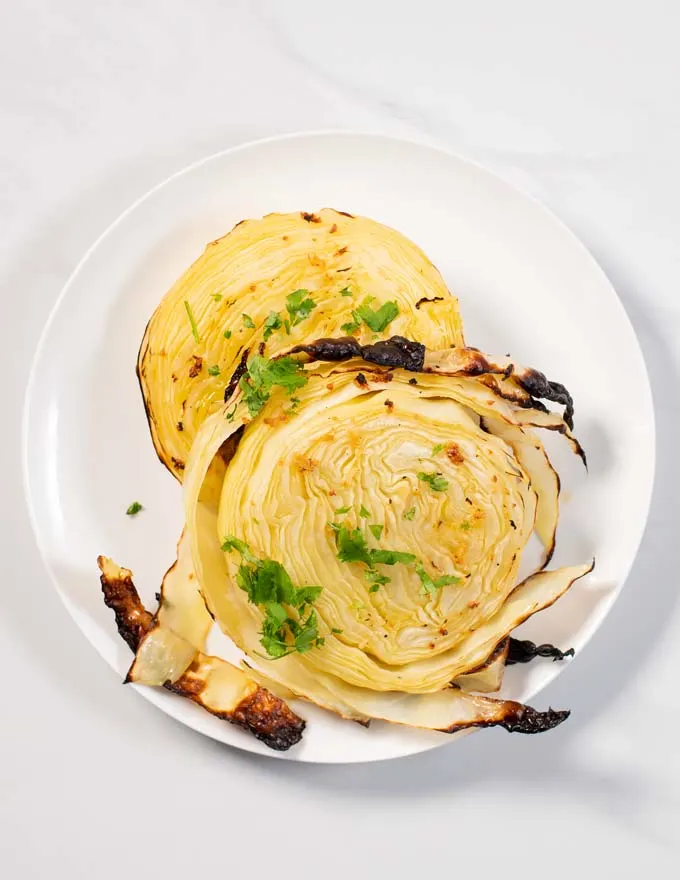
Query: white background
{"points": [[579, 104]]}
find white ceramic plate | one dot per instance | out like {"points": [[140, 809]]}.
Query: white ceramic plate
{"points": [[526, 286]]}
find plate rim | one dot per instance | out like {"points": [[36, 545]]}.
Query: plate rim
{"points": [[150, 694]]}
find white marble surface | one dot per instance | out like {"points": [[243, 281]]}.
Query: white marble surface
{"points": [[576, 102]]}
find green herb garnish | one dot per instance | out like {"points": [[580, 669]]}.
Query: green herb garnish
{"points": [[345, 292], [435, 481], [363, 513], [377, 531], [227, 334], [299, 305], [376, 579], [263, 374], [352, 326], [392, 557], [352, 546], [271, 323], [214, 371], [216, 296], [433, 585], [134, 508], [268, 585], [192, 320], [342, 510], [437, 449], [248, 321], [465, 526], [377, 319], [336, 631], [410, 513]]}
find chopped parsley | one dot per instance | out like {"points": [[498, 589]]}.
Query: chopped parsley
{"points": [[336, 631], [465, 526], [134, 508], [376, 530], [285, 629], [392, 557], [263, 374], [216, 296], [410, 513], [432, 585], [271, 323], [227, 334], [345, 292], [299, 305], [363, 513], [376, 579], [352, 326], [342, 510], [437, 449], [377, 319], [214, 371], [192, 320], [435, 481], [248, 321], [352, 547]]}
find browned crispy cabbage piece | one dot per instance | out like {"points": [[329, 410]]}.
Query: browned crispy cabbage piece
{"points": [[224, 690]]}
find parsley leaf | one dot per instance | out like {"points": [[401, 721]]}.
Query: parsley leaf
{"points": [[214, 371], [232, 543], [216, 296], [255, 398], [465, 526], [299, 305], [336, 631], [352, 326], [263, 374], [268, 585], [352, 546], [433, 585], [308, 635], [227, 334], [248, 321], [342, 510], [134, 508], [410, 513], [377, 319], [446, 579], [391, 557], [435, 481], [437, 449], [192, 320], [428, 585], [363, 512], [271, 322], [377, 531], [345, 292], [306, 595], [375, 579]]}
